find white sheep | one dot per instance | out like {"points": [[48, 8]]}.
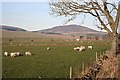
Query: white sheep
{"points": [[82, 48], [17, 53], [12, 54], [90, 47], [76, 48], [48, 48], [20, 44], [28, 53], [6, 53], [78, 39]]}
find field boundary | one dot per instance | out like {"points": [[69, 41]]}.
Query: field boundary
{"points": [[106, 66]]}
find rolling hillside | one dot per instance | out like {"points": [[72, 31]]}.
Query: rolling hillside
{"points": [[11, 28], [68, 29], [72, 30], [58, 31]]}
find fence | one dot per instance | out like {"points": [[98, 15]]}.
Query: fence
{"points": [[105, 65]]}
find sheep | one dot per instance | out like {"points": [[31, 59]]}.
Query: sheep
{"points": [[90, 47], [76, 48], [12, 54], [82, 48], [78, 39], [48, 48], [20, 44], [6, 53], [28, 53], [17, 53]]}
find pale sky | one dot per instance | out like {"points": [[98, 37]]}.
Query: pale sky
{"points": [[34, 15]]}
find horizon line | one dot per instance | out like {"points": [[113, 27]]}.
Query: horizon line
{"points": [[49, 28]]}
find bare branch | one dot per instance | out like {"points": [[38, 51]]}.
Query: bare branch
{"points": [[108, 16], [117, 19], [101, 11], [102, 23], [114, 7]]}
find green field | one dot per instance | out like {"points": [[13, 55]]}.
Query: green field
{"points": [[53, 63]]}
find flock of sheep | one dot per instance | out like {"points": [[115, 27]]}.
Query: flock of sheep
{"points": [[15, 54], [82, 48]]}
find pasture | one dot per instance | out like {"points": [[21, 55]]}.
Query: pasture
{"points": [[53, 63]]}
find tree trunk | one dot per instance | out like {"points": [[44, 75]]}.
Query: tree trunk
{"points": [[115, 49], [114, 43], [118, 44]]}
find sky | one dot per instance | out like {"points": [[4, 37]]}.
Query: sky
{"points": [[34, 15]]}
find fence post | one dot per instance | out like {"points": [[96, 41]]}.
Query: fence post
{"points": [[104, 53], [100, 55], [83, 68], [70, 72], [111, 75], [114, 75]]}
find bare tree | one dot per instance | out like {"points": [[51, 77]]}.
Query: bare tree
{"points": [[104, 11]]}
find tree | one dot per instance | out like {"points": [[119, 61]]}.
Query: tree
{"points": [[81, 37], [104, 11]]}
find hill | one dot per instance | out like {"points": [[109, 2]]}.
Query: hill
{"points": [[75, 30], [68, 29], [11, 28]]}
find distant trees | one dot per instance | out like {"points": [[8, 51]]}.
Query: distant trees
{"points": [[10, 40], [96, 38], [81, 37], [104, 11], [32, 40]]}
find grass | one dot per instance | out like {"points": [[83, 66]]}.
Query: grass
{"points": [[54, 63]]}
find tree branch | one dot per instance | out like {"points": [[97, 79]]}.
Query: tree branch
{"points": [[108, 16], [114, 7], [117, 19], [99, 10], [102, 23]]}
